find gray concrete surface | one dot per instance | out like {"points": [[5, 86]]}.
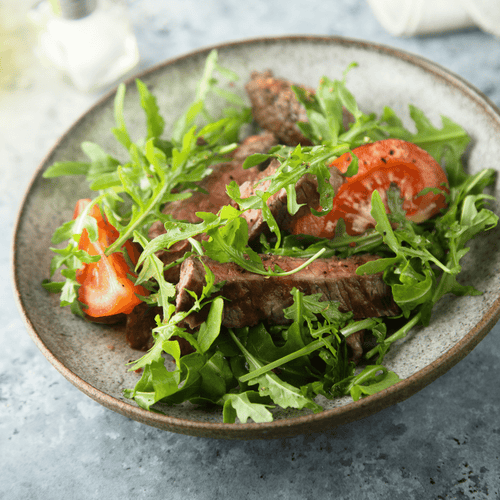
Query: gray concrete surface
{"points": [[55, 443]]}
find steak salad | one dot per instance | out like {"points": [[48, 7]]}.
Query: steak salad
{"points": [[274, 269]]}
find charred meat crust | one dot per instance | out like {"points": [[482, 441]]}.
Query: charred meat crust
{"points": [[253, 298]]}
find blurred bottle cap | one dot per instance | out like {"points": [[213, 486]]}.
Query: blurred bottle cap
{"points": [[73, 9]]}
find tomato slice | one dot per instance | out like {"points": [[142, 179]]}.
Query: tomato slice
{"points": [[105, 288], [381, 164]]}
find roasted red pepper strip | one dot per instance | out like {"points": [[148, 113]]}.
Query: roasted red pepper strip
{"points": [[105, 288]]}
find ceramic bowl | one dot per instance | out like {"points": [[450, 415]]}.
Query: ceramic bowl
{"points": [[93, 357]]}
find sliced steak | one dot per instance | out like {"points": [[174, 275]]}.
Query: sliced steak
{"points": [[275, 107], [253, 298], [140, 323], [355, 346], [211, 197], [307, 195], [253, 144]]}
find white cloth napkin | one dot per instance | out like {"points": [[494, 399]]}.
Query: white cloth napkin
{"points": [[424, 17]]}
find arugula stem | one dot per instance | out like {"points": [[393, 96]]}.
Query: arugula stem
{"points": [[401, 333], [409, 251], [308, 349], [303, 169], [338, 150], [365, 375], [302, 266], [363, 239], [477, 179], [252, 266], [304, 351], [128, 232], [357, 326]]}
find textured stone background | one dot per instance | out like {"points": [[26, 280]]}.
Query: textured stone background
{"points": [[56, 443]]}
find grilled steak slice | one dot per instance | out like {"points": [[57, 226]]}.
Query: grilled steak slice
{"points": [[275, 107], [355, 346], [140, 323], [260, 143], [253, 298], [212, 197], [307, 195]]}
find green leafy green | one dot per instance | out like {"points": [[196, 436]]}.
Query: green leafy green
{"points": [[244, 406], [372, 379]]}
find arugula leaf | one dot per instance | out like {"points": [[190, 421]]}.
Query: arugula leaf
{"points": [[155, 122], [156, 382], [152, 268], [210, 329], [189, 386], [229, 243], [372, 379], [217, 379], [324, 110], [61, 168], [245, 405], [226, 128], [120, 130], [282, 393]]}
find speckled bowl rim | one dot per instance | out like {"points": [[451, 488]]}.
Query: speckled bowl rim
{"points": [[310, 423]]}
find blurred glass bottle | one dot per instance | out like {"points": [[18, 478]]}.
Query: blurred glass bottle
{"points": [[89, 40]]}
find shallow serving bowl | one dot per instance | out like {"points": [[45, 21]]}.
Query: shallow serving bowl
{"points": [[94, 357]]}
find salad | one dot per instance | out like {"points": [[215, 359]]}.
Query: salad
{"points": [[389, 217]]}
